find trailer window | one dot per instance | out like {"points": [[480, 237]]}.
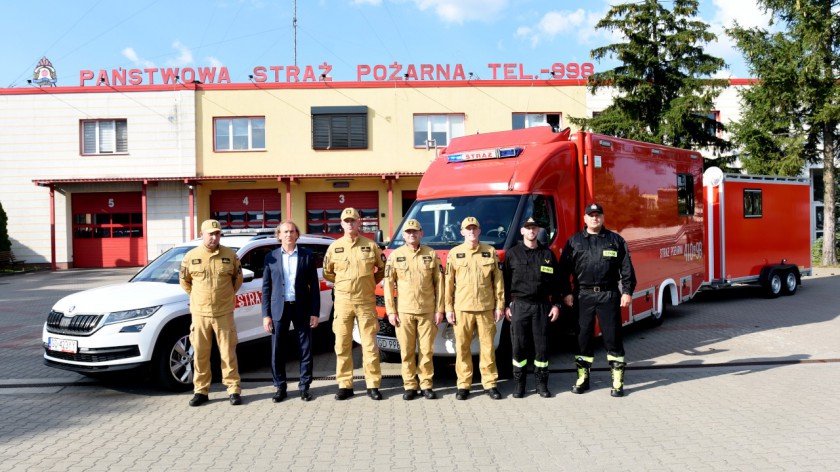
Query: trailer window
{"points": [[685, 194], [752, 203]]}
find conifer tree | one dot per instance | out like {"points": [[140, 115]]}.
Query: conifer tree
{"points": [[791, 114], [663, 85]]}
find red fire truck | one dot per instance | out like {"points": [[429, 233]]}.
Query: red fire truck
{"points": [[740, 229]]}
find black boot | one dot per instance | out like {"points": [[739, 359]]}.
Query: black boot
{"points": [[519, 379], [583, 370], [542, 382], [617, 374]]}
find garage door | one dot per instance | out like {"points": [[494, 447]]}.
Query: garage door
{"points": [[108, 230], [256, 208], [323, 211]]}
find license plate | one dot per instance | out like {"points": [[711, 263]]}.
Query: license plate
{"points": [[388, 343], [63, 345]]}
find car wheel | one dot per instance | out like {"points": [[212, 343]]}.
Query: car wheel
{"points": [[790, 283], [773, 286], [174, 359]]}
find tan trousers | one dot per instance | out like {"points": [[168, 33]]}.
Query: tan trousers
{"points": [[365, 316], [202, 330], [416, 335], [466, 324]]}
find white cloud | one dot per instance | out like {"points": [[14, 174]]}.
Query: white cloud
{"points": [[580, 23], [130, 54], [748, 14], [367, 2], [460, 11], [214, 62], [185, 56]]}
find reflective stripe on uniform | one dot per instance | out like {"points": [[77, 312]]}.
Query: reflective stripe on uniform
{"points": [[540, 364], [611, 358], [520, 364], [585, 359]]}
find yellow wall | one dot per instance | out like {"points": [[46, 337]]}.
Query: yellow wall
{"points": [[390, 124]]}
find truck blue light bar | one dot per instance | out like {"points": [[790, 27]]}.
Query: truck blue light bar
{"points": [[479, 154]]}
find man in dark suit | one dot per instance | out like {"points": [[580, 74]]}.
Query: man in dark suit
{"points": [[290, 294]]}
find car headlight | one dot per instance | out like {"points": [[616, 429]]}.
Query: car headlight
{"points": [[139, 313]]}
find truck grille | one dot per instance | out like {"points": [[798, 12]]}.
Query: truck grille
{"points": [[77, 325], [107, 354], [385, 328]]}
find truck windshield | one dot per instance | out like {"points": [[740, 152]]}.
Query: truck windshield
{"points": [[441, 219], [165, 269]]}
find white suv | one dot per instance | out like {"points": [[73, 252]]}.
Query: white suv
{"points": [[146, 321]]}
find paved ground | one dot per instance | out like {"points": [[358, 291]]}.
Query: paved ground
{"points": [[730, 381]]}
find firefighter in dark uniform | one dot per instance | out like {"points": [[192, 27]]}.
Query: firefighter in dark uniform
{"points": [[530, 272], [598, 262]]}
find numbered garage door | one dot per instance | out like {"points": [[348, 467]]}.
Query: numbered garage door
{"points": [[258, 208], [323, 211], [108, 230]]}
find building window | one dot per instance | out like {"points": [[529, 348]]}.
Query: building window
{"points": [[529, 120], [685, 194], [239, 134], [104, 137], [752, 203], [710, 125], [339, 128], [437, 130]]}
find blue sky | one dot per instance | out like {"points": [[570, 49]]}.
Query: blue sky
{"points": [[243, 34]]}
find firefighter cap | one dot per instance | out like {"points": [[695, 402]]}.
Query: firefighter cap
{"points": [[211, 226], [470, 220], [594, 208], [349, 213], [412, 224], [530, 222]]}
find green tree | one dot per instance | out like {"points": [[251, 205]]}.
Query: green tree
{"points": [[663, 85], [791, 114], [5, 244]]}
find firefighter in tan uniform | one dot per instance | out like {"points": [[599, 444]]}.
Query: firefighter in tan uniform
{"points": [[415, 270], [355, 264], [211, 275], [475, 300]]}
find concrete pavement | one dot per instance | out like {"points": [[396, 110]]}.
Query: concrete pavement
{"points": [[730, 381]]}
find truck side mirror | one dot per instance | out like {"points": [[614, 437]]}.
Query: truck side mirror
{"points": [[378, 238]]}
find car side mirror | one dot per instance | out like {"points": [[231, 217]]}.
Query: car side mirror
{"points": [[247, 275]]}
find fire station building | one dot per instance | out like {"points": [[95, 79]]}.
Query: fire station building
{"points": [[108, 174]]}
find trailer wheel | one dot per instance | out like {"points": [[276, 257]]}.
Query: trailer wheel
{"points": [[773, 286], [791, 283]]}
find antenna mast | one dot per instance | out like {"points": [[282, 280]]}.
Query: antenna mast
{"points": [[294, 28]]}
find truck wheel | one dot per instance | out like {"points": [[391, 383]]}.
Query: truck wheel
{"points": [[773, 286], [657, 317], [790, 284], [173, 359], [504, 353]]}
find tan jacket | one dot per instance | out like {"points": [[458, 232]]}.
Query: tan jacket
{"points": [[355, 267], [418, 277], [473, 279], [212, 279]]}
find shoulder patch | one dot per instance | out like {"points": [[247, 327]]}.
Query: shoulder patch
{"points": [[195, 261], [383, 257], [485, 254], [460, 255], [339, 250]]}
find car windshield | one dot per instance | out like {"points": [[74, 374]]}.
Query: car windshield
{"points": [[441, 219], [165, 268]]}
